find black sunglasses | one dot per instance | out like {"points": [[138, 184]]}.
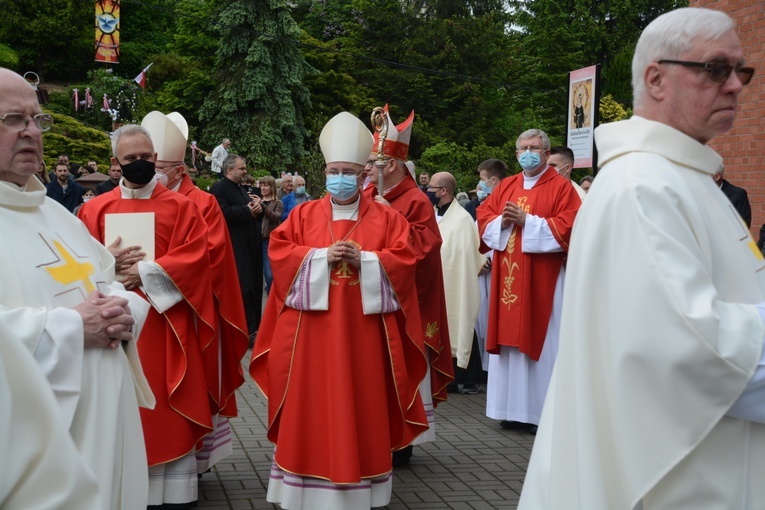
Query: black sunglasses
{"points": [[718, 71]]}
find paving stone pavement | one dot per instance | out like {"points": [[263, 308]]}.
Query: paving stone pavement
{"points": [[473, 464]]}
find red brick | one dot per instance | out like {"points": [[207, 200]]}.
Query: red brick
{"points": [[743, 147]]}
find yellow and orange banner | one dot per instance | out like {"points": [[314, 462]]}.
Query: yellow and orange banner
{"points": [[108, 31]]}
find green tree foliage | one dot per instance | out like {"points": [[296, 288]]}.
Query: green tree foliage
{"points": [[146, 30], [462, 161], [53, 38], [549, 47], [269, 73], [182, 77], [260, 97]]}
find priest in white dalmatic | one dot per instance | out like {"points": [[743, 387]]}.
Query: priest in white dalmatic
{"points": [[657, 398]]}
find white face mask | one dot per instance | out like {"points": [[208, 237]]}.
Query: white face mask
{"points": [[161, 178]]}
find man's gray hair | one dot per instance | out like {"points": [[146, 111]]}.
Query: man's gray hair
{"points": [[532, 133], [230, 162], [128, 129], [670, 36]]}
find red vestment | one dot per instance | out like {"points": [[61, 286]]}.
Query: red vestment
{"points": [[223, 359], [342, 387], [171, 343], [425, 240], [523, 284]]}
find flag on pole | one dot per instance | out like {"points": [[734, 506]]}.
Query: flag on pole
{"points": [[141, 78]]}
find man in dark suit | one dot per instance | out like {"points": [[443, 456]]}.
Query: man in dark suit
{"points": [[736, 195], [243, 213]]}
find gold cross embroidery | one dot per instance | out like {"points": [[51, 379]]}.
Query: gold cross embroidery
{"points": [[343, 271], [71, 271]]}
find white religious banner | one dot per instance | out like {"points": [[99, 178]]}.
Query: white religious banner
{"points": [[582, 115], [134, 229]]}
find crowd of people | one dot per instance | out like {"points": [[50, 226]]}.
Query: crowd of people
{"points": [[621, 324]]}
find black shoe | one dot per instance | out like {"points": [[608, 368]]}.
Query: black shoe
{"points": [[452, 388], [515, 425], [402, 457], [471, 389], [533, 430]]}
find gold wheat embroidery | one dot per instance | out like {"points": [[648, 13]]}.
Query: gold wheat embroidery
{"points": [[508, 298], [431, 329]]}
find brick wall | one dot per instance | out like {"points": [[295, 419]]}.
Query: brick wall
{"points": [[743, 147]]}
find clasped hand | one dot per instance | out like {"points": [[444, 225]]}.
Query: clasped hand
{"points": [[106, 320], [344, 251], [513, 213]]}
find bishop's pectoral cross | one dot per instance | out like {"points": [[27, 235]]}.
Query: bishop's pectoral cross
{"points": [[71, 271]]}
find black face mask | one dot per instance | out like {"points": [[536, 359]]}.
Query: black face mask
{"points": [[139, 171], [433, 198]]}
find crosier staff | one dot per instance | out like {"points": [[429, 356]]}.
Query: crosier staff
{"points": [[380, 123]]}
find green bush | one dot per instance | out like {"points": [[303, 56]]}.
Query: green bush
{"points": [[204, 183], [8, 57], [81, 143]]}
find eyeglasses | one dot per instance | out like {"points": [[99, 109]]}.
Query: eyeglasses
{"points": [[20, 121], [532, 148], [435, 187], [718, 71]]}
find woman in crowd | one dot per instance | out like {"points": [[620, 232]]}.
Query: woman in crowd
{"points": [[272, 212]]}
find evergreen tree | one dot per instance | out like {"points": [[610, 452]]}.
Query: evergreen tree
{"points": [[260, 98]]}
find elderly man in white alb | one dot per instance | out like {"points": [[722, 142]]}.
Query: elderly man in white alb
{"points": [[58, 298], [657, 398]]}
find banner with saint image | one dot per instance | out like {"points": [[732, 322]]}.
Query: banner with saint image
{"points": [[583, 115], [108, 31]]}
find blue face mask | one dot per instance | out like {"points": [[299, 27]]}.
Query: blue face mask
{"points": [[300, 191], [483, 191], [530, 160], [342, 187]]}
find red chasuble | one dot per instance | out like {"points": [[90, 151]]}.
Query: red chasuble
{"points": [[425, 240], [171, 344], [223, 358], [523, 284], [342, 387]]}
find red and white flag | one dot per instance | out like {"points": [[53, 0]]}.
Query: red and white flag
{"points": [[141, 78]]}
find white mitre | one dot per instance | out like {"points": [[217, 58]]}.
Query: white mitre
{"points": [[180, 122], [345, 139], [169, 141]]}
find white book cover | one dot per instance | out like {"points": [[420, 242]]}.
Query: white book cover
{"points": [[135, 229]]}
